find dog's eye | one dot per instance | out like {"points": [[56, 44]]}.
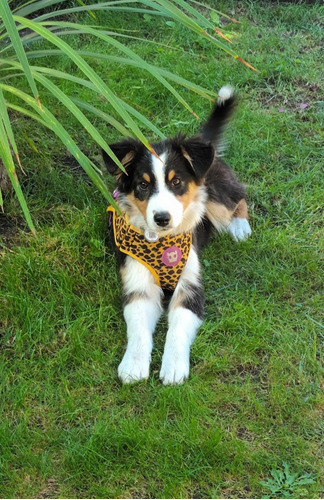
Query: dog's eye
{"points": [[143, 185], [176, 181]]}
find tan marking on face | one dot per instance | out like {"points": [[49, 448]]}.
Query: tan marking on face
{"points": [[171, 174], [187, 197], [241, 210], [219, 213], [141, 205], [146, 177]]}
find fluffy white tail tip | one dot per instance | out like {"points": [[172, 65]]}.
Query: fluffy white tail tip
{"points": [[225, 93]]}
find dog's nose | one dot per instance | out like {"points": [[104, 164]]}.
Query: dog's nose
{"points": [[162, 218]]}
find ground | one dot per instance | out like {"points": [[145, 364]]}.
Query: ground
{"points": [[253, 400]]}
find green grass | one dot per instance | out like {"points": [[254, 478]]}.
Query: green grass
{"points": [[253, 401]]}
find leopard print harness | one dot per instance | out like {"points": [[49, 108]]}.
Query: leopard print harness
{"points": [[165, 258]]}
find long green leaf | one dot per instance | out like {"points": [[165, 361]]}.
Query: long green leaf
{"points": [[40, 5], [31, 6], [64, 12], [13, 34], [207, 94], [104, 116], [115, 43], [66, 139], [86, 83], [162, 7], [32, 37], [69, 104], [200, 18], [28, 113], [167, 7], [131, 110], [88, 71], [7, 126], [5, 155], [180, 16]]}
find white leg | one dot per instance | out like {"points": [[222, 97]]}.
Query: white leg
{"points": [[141, 314], [183, 326], [239, 229], [185, 312]]}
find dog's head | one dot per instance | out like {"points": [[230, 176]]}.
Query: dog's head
{"points": [[165, 193], [157, 191]]}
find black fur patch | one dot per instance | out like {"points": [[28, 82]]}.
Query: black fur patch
{"points": [[202, 234], [222, 185], [195, 300]]}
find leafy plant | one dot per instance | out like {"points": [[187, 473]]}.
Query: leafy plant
{"points": [[33, 21], [285, 484]]}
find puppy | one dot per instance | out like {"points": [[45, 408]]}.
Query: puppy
{"points": [[170, 205]]}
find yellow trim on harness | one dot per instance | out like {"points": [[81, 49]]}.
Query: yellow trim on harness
{"points": [[165, 258]]}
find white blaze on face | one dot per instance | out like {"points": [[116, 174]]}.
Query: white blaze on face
{"points": [[162, 200]]}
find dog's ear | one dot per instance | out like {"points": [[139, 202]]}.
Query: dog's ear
{"points": [[126, 151], [199, 155]]}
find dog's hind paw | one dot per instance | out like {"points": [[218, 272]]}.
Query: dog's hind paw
{"points": [[239, 229]]}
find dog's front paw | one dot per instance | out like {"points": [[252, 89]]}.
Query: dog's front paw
{"points": [[133, 368], [239, 229], [174, 369]]}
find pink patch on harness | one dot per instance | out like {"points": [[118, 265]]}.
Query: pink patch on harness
{"points": [[171, 256]]}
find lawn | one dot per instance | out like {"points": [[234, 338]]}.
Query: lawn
{"points": [[253, 403]]}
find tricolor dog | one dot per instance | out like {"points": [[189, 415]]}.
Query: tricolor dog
{"points": [[170, 205]]}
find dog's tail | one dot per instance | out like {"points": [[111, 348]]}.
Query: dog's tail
{"points": [[213, 129]]}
